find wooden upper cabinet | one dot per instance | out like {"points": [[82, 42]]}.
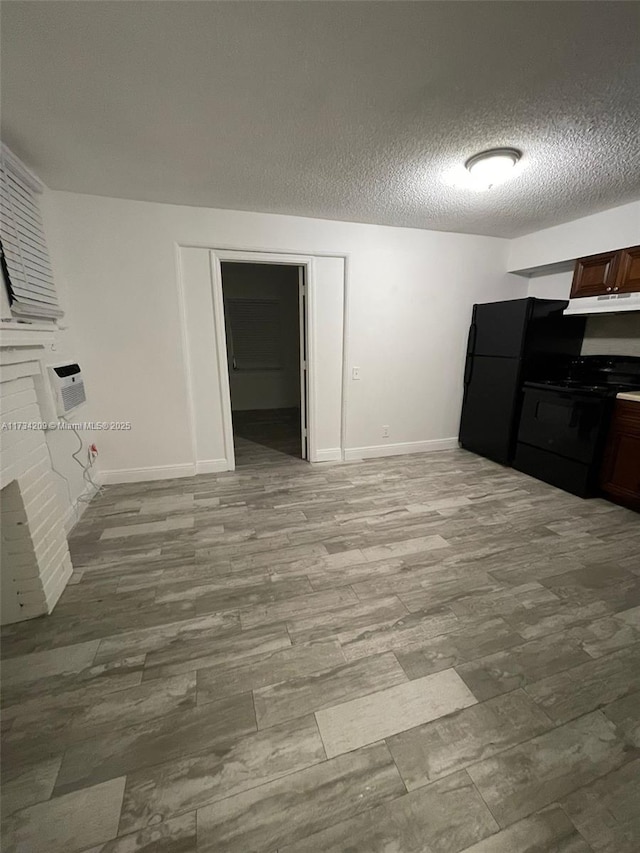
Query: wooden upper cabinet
{"points": [[610, 272], [628, 273], [594, 275]]}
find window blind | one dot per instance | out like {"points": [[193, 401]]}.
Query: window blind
{"points": [[255, 333], [31, 288]]}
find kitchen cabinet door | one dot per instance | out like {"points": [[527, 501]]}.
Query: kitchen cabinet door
{"points": [[620, 477], [595, 275], [628, 270]]}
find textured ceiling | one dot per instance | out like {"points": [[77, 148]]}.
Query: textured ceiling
{"points": [[351, 111]]}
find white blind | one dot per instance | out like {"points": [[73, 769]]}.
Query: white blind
{"points": [[255, 333], [32, 292]]}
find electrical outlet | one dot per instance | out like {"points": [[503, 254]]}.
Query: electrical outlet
{"points": [[385, 431]]}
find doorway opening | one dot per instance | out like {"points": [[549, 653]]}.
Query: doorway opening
{"points": [[266, 341]]}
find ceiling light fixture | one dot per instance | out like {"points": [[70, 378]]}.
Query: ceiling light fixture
{"points": [[492, 167]]}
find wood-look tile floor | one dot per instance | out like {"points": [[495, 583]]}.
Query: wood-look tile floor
{"points": [[420, 654], [263, 436]]}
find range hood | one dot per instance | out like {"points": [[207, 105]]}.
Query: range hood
{"points": [[611, 303]]}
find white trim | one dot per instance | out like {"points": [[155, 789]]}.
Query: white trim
{"points": [[250, 257], [312, 390], [261, 250], [373, 451], [212, 466], [220, 343], [303, 359], [14, 335], [333, 454], [141, 475], [184, 344], [217, 257], [163, 472], [345, 352], [12, 324], [261, 256]]}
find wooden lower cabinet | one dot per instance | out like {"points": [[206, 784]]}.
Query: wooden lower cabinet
{"points": [[620, 475]]}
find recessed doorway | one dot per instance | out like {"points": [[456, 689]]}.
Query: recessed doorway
{"points": [[321, 301], [265, 330]]}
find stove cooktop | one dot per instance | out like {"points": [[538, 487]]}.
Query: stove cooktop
{"points": [[605, 388]]}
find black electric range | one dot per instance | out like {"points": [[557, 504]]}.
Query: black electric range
{"points": [[565, 417]]}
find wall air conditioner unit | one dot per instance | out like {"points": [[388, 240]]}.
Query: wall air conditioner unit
{"points": [[67, 386], [611, 303]]}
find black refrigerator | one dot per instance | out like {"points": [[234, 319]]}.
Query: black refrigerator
{"points": [[508, 343]]}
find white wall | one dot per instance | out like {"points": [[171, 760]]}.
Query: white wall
{"points": [[553, 286], [409, 299], [72, 489], [267, 389], [325, 342], [601, 232], [60, 346]]}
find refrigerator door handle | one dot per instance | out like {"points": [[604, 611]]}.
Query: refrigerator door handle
{"points": [[471, 340], [471, 346], [468, 369]]}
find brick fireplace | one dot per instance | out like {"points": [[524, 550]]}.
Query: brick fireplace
{"points": [[35, 556]]}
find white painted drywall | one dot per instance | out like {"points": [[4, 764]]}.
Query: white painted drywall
{"points": [[610, 229], [409, 300], [267, 389], [126, 329], [554, 286], [73, 490], [325, 345]]}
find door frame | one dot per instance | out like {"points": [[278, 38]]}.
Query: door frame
{"points": [[216, 258], [303, 359]]}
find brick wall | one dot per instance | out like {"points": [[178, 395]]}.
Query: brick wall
{"points": [[35, 557]]}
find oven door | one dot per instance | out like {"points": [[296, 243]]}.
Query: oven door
{"points": [[569, 423]]}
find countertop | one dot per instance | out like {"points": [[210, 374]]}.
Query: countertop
{"points": [[629, 395]]}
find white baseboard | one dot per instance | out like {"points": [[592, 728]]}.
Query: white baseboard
{"points": [[164, 472], [212, 466], [76, 510], [139, 475], [332, 454], [373, 451], [216, 466]]}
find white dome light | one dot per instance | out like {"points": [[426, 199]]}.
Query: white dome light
{"points": [[492, 167]]}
